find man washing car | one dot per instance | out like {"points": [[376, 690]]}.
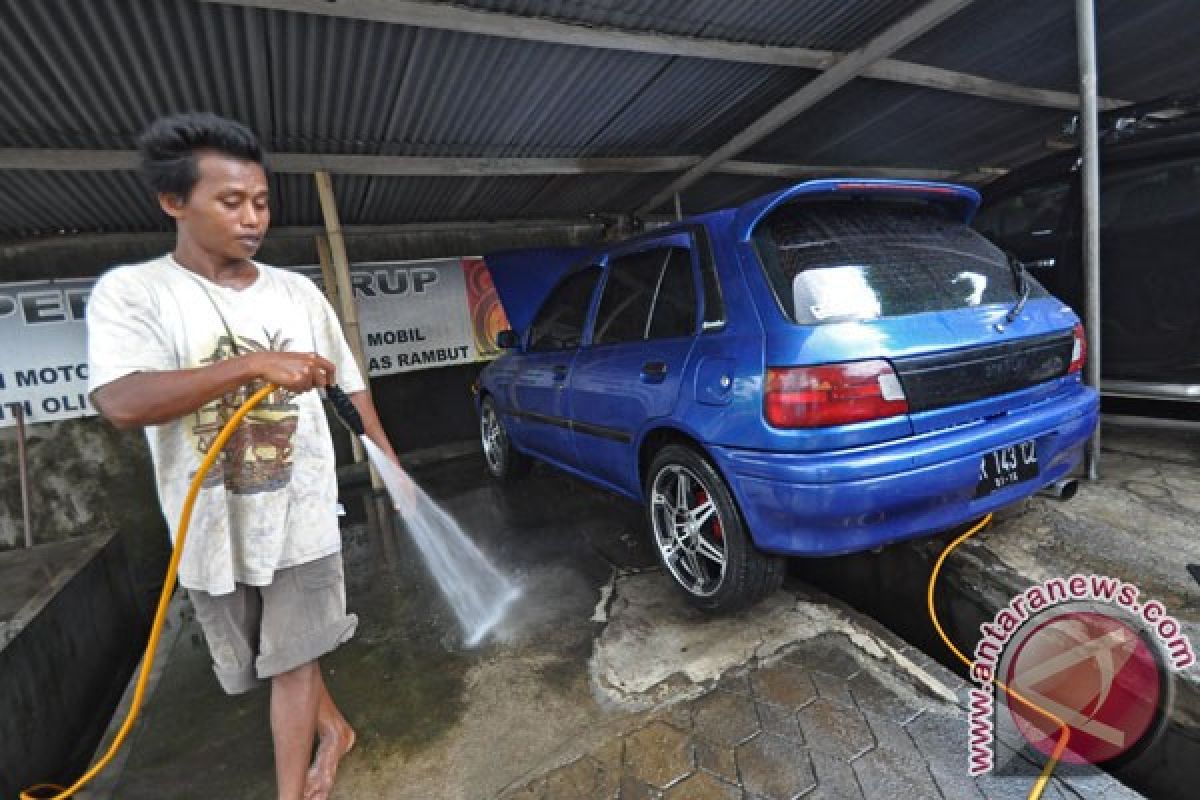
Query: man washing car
{"points": [[175, 345]]}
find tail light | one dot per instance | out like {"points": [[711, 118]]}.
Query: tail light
{"points": [[832, 394], [1079, 350]]}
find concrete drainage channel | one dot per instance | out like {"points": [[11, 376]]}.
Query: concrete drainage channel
{"points": [[979, 579]]}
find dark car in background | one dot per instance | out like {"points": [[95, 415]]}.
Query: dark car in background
{"points": [[823, 370], [1149, 243]]}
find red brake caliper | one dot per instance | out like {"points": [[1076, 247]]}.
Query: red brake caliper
{"points": [[701, 499]]}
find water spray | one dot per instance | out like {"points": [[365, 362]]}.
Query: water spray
{"points": [[477, 592]]}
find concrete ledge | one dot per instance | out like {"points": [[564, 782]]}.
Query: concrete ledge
{"points": [[68, 650], [33, 576]]}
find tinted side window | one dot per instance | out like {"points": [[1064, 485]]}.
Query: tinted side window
{"points": [[648, 294], [559, 323], [628, 296], [675, 304]]}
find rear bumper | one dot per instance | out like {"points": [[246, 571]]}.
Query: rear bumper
{"points": [[819, 504]]}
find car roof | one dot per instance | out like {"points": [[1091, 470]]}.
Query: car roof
{"points": [[524, 278], [961, 200]]}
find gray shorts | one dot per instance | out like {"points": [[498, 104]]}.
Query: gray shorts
{"points": [[257, 632]]}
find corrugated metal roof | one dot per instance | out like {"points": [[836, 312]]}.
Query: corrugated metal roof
{"points": [[92, 75], [1026, 41], [1144, 50], [873, 123], [428, 199], [33, 202], [819, 24], [723, 191], [36, 202], [436, 93]]}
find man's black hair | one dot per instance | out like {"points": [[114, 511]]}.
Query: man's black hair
{"points": [[168, 148]]}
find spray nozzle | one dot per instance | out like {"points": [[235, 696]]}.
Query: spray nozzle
{"points": [[345, 410]]}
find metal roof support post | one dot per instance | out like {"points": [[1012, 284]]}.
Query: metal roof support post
{"points": [[1085, 26], [345, 292]]}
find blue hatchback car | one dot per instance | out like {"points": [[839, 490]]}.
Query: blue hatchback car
{"points": [[826, 369]]}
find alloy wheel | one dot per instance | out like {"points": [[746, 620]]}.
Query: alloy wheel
{"points": [[688, 530], [491, 433]]}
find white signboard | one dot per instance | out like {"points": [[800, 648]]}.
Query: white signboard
{"points": [[43, 358], [413, 315]]}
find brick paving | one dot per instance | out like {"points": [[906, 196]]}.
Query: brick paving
{"points": [[820, 723]]}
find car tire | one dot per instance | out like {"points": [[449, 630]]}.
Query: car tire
{"points": [[503, 461], [693, 519]]}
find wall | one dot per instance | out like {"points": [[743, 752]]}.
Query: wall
{"points": [[85, 477], [428, 408]]}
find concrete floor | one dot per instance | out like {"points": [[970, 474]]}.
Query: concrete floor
{"points": [[433, 720], [602, 682]]}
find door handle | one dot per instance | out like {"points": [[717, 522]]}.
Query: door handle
{"points": [[560, 372], [654, 369]]}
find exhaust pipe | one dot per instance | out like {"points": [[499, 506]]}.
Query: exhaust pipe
{"points": [[1062, 490]]}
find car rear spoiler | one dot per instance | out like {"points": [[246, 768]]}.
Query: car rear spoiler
{"points": [[962, 201], [524, 278]]}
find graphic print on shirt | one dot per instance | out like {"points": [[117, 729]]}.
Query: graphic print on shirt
{"points": [[258, 456]]}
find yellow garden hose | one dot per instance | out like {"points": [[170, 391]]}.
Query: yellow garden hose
{"points": [[1060, 747], [160, 615]]}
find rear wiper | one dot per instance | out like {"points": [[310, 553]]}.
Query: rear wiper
{"points": [[1021, 282]]}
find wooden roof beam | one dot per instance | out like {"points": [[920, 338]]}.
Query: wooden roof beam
{"points": [[421, 166]]}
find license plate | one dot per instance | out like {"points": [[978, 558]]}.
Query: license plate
{"points": [[1007, 466]]}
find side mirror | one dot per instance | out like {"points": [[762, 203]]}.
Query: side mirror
{"points": [[507, 340]]}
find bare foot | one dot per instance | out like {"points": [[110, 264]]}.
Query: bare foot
{"points": [[335, 741]]}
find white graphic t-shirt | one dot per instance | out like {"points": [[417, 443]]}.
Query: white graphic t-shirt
{"points": [[270, 500]]}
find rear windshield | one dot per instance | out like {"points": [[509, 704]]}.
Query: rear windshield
{"points": [[853, 260]]}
